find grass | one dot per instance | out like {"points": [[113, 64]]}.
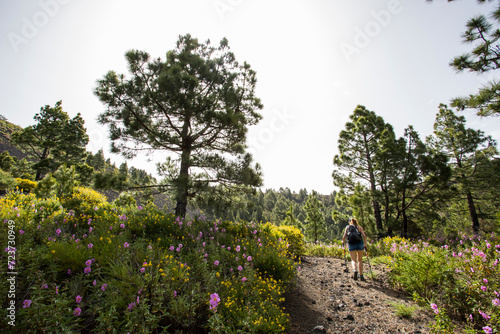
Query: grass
{"points": [[404, 310]]}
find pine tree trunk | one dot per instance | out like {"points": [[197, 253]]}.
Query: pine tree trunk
{"points": [[473, 213], [182, 186], [405, 218], [183, 180]]}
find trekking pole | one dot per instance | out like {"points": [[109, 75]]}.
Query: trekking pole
{"points": [[369, 265], [345, 260]]}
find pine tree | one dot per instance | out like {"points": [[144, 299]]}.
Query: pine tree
{"points": [[466, 149], [315, 220], [196, 104], [55, 139], [484, 36]]}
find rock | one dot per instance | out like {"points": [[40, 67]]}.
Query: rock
{"points": [[367, 304], [359, 304], [329, 318], [348, 317], [314, 302], [319, 330]]}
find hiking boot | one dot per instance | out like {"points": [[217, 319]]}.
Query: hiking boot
{"points": [[362, 278], [355, 275]]}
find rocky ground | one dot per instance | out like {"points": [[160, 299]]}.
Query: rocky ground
{"points": [[326, 299]]}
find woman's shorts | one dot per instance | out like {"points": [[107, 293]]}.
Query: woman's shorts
{"points": [[355, 247]]}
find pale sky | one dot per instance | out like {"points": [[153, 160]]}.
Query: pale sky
{"points": [[315, 61]]}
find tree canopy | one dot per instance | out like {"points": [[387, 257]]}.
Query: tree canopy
{"points": [[55, 139]]}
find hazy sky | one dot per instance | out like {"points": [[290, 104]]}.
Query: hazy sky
{"points": [[315, 61]]}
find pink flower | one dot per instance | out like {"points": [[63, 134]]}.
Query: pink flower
{"points": [[496, 302], [244, 279], [214, 301], [483, 288], [216, 263], [58, 231], [88, 263], [94, 282], [238, 248], [78, 299], [87, 270], [77, 311], [249, 258], [142, 269], [26, 303], [104, 286], [485, 316], [90, 246], [240, 268], [487, 329], [21, 232], [435, 308], [125, 245]]}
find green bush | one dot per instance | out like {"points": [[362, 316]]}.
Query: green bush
{"points": [[7, 181]]}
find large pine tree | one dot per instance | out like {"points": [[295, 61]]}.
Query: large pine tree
{"points": [[196, 104]]}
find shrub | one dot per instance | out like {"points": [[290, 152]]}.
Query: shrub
{"points": [[295, 240], [333, 249], [125, 198], [85, 201], [25, 184], [140, 270], [6, 181]]}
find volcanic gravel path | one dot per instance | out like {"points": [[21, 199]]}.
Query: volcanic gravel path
{"points": [[326, 299]]}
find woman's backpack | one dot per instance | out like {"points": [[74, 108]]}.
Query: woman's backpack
{"points": [[353, 235]]}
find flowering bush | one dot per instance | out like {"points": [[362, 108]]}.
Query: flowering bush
{"points": [[84, 263], [459, 275], [333, 249], [25, 184]]}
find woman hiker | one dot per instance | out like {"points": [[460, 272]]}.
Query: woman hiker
{"points": [[356, 239]]}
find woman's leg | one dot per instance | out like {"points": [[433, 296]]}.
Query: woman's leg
{"points": [[354, 259], [360, 261]]}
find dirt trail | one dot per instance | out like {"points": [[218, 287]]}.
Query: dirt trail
{"points": [[327, 296]]}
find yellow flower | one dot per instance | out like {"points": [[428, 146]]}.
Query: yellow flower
{"points": [[53, 251]]}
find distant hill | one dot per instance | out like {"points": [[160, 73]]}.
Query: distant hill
{"points": [[6, 130]]}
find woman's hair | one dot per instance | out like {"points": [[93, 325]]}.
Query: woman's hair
{"points": [[354, 221]]}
